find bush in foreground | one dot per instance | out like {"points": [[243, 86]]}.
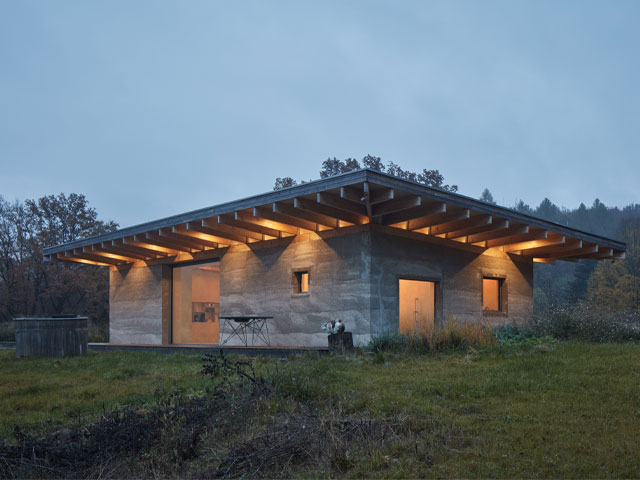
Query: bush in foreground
{"points": [[454, 336], [580, 322]]}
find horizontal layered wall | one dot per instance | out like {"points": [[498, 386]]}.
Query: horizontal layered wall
{"points": [[353, 277]]}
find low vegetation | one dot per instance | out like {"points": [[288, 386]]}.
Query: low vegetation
{"points": [[505, 405]]}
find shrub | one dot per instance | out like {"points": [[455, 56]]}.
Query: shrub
{"points": [[389, 342], [7, 332], [454, 335], [583, 323]]}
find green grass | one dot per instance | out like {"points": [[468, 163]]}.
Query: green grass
{"points": [[36, 390], [563, 409]]}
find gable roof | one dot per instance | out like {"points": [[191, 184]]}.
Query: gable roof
{"points": [[358, 197]]}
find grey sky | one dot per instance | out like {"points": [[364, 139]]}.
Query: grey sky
{"points": [[152, 108]]}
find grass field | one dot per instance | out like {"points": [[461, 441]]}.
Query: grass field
{"points": [[563, 409]]}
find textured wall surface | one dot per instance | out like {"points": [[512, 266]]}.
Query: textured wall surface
{"points": [[353, 277], [136, 305], [261, 281], [458, 275]]}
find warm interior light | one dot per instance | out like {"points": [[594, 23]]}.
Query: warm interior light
{"points": [[491, 294]]}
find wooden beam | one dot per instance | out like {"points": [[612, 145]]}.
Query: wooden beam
{"points": [[231, 220], [315, 207], [426, 210], [446, 216], [66, 257], [225, 227], [525, 237], [586, 249], [602, 254], [214, 235], [381, 195], [367, 200], [335, 201], [353, 195], [397, 205], [317, 218], [550, 261], [269, 214], [142, 244], [79, 253], [569, 244], [266, 223], [196, 240], [134, 252], [535, 244], [507, 232], [463, 234], [477, 221], [154, 239], [99, 251]]}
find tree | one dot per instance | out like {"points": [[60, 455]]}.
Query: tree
{"points": [[284, 183], [374, 163], [615, 285], [31, 286], [333, 166], [522, 207], [486, 196]]}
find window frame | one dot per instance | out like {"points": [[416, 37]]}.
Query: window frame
{"points": [[502, 294], [296, 282]]}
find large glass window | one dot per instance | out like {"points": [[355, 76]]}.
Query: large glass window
{"points": [[196, 304]]}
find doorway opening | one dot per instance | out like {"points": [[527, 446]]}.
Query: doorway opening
{"points": [[417, 306], [196, 304]]}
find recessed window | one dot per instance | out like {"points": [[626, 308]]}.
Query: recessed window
{"points": [[301, 282], [492, 294]]}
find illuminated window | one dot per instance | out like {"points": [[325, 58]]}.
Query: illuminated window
{"points": [[492, 294], [301, 282]]}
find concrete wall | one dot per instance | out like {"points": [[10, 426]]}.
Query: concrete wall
{"points": [[261, 281], [136, 304], [458, 274]]}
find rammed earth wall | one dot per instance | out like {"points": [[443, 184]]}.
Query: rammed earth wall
{"points": [[353, 277]]}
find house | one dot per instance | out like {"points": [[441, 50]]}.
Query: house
{"points": [[381, 253]]}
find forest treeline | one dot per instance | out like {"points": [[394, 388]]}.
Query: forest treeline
{"points": [[30, 286]]}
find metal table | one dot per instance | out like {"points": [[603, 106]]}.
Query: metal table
{"points": [[242, 326]]}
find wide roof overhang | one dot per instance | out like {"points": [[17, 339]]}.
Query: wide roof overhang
{"points": [[354, 198]]}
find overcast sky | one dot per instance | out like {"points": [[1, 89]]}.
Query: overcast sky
{"points": [[152, 108]]}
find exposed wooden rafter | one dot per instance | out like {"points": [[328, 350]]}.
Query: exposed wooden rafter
{"points": [[524, 237], [256, 221], [316, 218], [80, 253], [432, 210], [100, 252], [396, 205], [510, 231], [270, 214], [331, 212], [154, 238], [130, 251], [336, 202], [463, 234], [233, 220]]}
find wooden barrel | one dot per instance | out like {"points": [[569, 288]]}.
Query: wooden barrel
{"points": [[51, 337]]}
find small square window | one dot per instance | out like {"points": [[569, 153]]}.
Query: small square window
{"points": [[301, 282], [492, 294]]}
